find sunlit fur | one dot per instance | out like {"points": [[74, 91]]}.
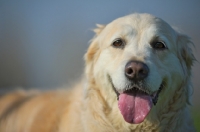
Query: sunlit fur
{"points": [[91, 106]]}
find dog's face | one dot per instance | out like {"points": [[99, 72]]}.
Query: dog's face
{"points": [[140, 60]]}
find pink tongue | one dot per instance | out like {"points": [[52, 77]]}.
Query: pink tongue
{"points": [[134, 106]]}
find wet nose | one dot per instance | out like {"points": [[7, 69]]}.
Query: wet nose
{"points": [[136, 70]]}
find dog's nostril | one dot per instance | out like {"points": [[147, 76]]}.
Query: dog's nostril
{"points": [[129, 71], [142, 71]]}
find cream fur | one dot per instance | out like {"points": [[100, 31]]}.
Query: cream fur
{"points": [[91, 106]]}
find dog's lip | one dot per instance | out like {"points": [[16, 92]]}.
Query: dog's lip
{"points": [[154, 95], [136, 87]]}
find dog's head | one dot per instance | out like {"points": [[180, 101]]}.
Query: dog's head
{"points": [[139, 61]]}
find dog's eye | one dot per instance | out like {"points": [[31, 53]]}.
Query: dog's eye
{"points": [[158, 45], [118, 43]]}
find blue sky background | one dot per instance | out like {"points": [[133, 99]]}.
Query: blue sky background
{"points": [[42, 42]]}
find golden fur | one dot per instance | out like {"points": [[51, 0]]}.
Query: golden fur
{"points": [[91, 106]]}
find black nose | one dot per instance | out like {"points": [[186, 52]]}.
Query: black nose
{"points": [[136, 70]]}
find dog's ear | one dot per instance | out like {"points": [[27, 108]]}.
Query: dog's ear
{"points": [[185, 50], [94, 46], [187, 59], [92, 51]]}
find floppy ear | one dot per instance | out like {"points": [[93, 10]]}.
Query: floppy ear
{"points": [[92, 51], [94, 46], [187, 59], [185, 52]]}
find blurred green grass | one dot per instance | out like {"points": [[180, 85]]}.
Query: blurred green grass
{"points": [[196, 117]]}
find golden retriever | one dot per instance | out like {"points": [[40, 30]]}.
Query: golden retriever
{"points": [[137, 79]]}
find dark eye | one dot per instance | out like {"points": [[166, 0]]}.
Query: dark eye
{"points": [[158, 45], [118, 43]]}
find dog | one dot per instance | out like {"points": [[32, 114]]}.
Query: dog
{"points": [[137, 79]]}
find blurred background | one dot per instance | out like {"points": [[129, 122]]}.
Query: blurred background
{"points": [[42, 42]]}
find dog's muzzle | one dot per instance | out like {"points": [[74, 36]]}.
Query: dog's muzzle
{"points": [[136, 101]]}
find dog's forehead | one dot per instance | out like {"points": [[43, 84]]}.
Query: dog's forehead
{"points": [[138, 26], [138, 23]]}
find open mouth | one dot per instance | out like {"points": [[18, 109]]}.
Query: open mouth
{"points": [[135, 103], [136, 89]]}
